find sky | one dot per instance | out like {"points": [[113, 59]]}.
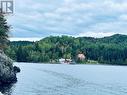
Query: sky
{"points": [[36, 19]]}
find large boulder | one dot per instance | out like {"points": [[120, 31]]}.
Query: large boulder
{"points": [[7, 70]]}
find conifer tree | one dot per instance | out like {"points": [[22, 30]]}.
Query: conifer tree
{"points": [[4, 29]]}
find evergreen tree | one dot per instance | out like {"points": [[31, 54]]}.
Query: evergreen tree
{"points": [[4, 29]]}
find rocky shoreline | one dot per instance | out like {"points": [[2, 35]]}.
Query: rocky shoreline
{"points": [[7, 70]]}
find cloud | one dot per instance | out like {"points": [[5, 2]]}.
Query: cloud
{"points": [[42, 18], [123, 17], [25, 39], [95, 34]]}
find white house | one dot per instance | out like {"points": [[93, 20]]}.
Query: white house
{"points": [[65, 61]]}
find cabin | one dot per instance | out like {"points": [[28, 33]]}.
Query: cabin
{"points": [[65, 61], [62, 60], [81, 56]]}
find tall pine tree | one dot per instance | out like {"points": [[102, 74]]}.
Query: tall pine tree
{"points": [[4, 29]]}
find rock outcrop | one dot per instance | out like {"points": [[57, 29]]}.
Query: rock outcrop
{"points": [[7, 70]]}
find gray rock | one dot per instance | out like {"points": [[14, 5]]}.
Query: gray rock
{"points": [[16, 69], [7, 71]]}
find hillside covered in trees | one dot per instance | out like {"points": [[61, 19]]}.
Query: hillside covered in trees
{"points": [[107, 50]]}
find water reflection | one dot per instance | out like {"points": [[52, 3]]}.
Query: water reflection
{"points": [[7, 89]]}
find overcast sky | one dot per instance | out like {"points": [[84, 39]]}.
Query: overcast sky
{"points": [[34, 19]]}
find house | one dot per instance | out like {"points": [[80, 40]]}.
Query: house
{"points": [[65, 61], [62, 60], [81, 56]]}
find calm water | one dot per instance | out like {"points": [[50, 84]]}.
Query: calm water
{"points": [[47, 79]]}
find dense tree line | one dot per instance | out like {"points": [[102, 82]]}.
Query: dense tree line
{"points": [[108, 50]]}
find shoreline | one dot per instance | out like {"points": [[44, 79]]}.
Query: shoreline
{"points": [[68, 64]]}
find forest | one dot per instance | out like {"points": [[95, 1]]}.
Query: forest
{"points": [[107, 50]]}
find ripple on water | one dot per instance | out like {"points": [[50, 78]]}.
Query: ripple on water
{"points": [[74, 85]]}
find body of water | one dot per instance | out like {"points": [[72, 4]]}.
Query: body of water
{"points": [[59, 79]]}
